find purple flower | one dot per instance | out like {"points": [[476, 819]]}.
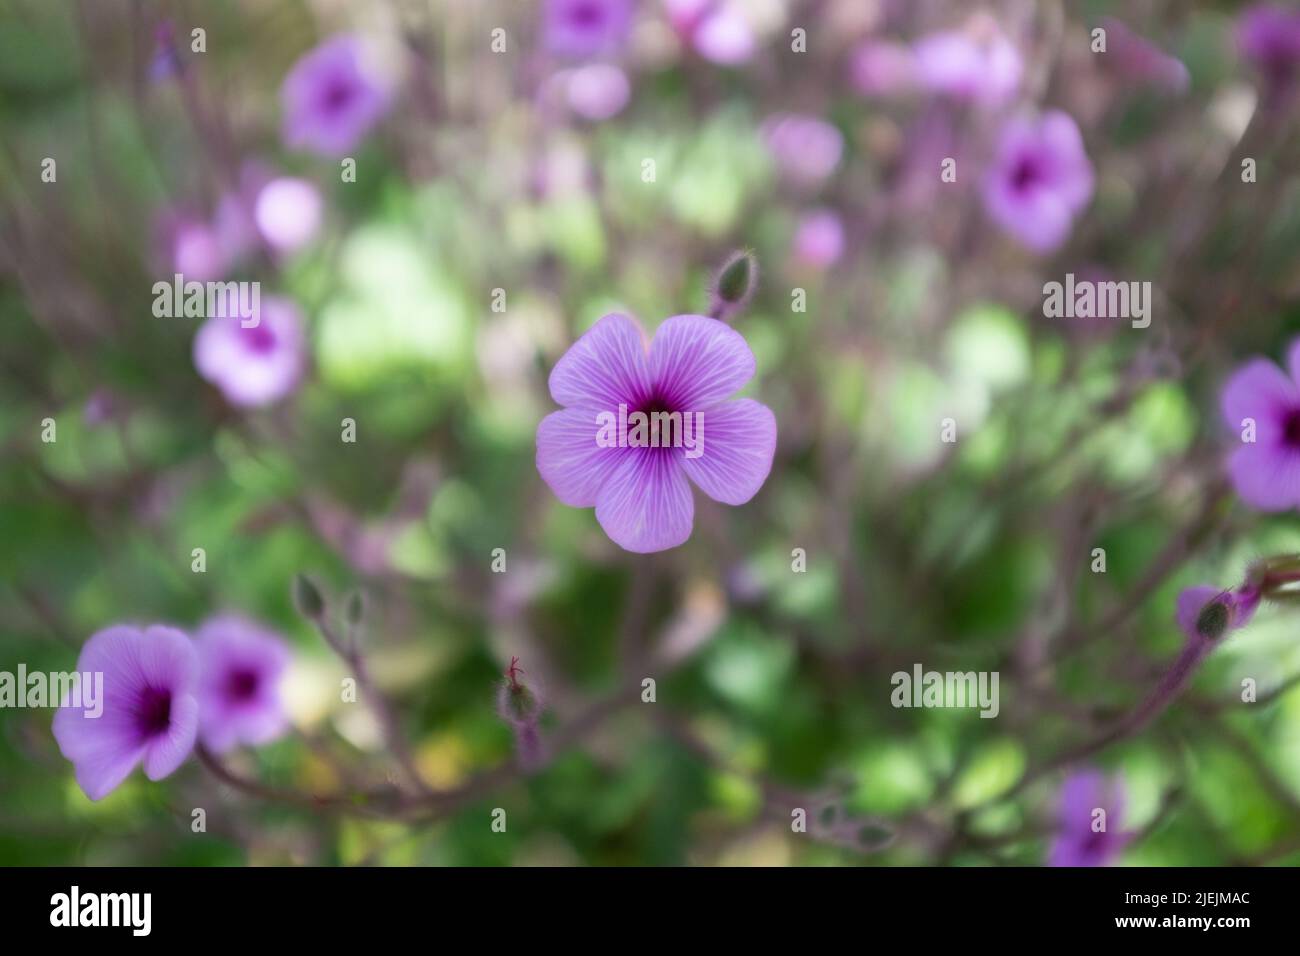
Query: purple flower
{"points": [[806, 149], [1142, 61], [333, 96], [981, 66], [640, 491], [1040, 180], [580, 28], [882, 68], [241, 665], [819, 239], [1085, 836], [1261, 404], [256, 365], [150, 713], [1269, 36], [598, 91]]}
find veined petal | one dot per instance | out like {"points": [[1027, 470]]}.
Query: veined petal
{"points": [[569, 458], [697, 362], [646, 505], [738, 440], [1266, 477], [606, 366]]}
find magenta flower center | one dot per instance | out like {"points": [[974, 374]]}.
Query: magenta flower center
{"points": [[586, 14], [259, 339], [1291, 429], [241, 685], [337, 95], [154, 713], [1026, 173]]}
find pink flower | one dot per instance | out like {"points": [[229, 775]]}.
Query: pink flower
{"points": [[1040, 180], [241, 666], [150, 714], [640, 490], [333, 96], [819, 239], [257, 365], [1261, 404]]}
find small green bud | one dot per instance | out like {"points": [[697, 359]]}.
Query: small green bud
{"points": [[307, 598], [734, 285]]}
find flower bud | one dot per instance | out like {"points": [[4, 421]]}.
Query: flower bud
{"points": [[734, 285], [1214, 620], [307, 598]]}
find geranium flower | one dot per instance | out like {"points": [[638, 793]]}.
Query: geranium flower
{"points": [[241, 665], [1265, 469], [1040, 180], [333, 96], [150, 714], [641, 493]]}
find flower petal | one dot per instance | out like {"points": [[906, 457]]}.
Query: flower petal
{"points": [[646, 503], [1266, 477], [169, 751], [1259, 390], [606, 366], [738, 440], [569, 458], [697, 362]]}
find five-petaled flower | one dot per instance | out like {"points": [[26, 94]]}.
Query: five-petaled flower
{"points": [[1040, 180], [641, 494], [241, 666], [333, 97], [150, 711]]}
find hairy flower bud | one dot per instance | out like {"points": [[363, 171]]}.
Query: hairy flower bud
{"points": [[734, 285], [1214, 620]]}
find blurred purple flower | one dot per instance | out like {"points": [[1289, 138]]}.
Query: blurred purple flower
{"points": [[806, 149], [1140, 60], [150, 713], [1079, 841], [581, 28], [598, 91], [1265, 470], [192, 246], [1040, 180], [1269, 36], [288, 213], [241, 665], [253, 366], [716, 29], [882, 68], [819, 239], [641, 494], [980, 65], [333, 96]]}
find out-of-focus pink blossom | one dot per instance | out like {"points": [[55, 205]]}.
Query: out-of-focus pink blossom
{"points": [[598, 91], [819, 239], [882, 68], [806, 149]]}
